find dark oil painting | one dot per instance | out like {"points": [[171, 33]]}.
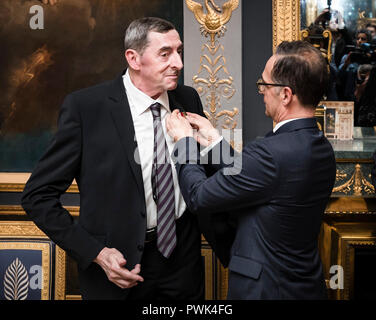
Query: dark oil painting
{"points": [[81, 45]]}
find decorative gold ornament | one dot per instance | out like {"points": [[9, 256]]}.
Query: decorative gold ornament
{"points": [[16, 281], [318, 41], [358, 183], [213, 79], [213, 22], [340, 175]]}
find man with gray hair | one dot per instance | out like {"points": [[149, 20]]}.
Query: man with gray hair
{"points": [[134, 238]]}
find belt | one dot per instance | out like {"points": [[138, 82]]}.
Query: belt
{"points": [[151, 235]]}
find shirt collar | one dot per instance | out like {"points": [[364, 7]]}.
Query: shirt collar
{"points": [[141, 101], [280, 124]]}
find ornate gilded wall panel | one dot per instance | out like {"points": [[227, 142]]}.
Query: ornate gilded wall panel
{"points": [[286, 21], [215, 77], [212, 65]]}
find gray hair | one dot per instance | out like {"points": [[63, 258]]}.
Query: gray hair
{"points": [[136, 35]]}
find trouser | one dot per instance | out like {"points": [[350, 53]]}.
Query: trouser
{"points": [[181, 276]]}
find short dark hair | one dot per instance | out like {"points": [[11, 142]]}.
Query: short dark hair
{"points": [[136, 35], [366, 32], [303, 68]]}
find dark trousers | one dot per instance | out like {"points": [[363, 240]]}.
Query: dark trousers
{"points": [[181, 276]]}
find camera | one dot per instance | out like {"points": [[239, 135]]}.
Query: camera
{"points": [[365, 54]]}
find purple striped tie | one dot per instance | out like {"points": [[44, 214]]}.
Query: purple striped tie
{"points": [[163, 187]]}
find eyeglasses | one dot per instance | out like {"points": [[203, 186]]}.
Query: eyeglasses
{"points": [[261, 85]]}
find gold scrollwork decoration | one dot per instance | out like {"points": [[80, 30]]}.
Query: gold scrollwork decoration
{"points": [[340, 175], [357, 183], [213, 80], [328, 34]]}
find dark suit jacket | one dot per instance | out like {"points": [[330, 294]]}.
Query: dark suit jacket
{"points": [[95, 144], [278, 197]]}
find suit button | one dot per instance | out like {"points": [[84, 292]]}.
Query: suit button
{"points": [[143, 214], [140, 247]]}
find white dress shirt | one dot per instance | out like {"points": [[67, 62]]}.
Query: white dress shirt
{"points": [[280, 124], [139, 104]]}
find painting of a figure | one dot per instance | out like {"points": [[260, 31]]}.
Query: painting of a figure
{"points": [[330, 120], [81, 44]]}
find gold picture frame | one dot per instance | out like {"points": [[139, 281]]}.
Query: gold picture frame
{"points": [[15, 182], [286, 21], [27, 237]]}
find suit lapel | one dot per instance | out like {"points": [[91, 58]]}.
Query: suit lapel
{"points": [[122, 117]]}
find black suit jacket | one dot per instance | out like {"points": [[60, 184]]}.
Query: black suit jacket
{"points": [[278, 192], [95, 144]]}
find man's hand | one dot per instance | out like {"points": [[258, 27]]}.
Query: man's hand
{"points": [[112, 262], [205, 133], [178, 126]]}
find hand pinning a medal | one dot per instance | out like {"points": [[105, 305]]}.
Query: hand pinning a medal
{"points": [[182, 124], [178, 126]]}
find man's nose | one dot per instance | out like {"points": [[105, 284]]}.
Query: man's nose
{"points": [[176, 61]]}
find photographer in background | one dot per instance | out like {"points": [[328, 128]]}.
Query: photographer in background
{"points": [[363, 50], [365, 94], [353, 71]]}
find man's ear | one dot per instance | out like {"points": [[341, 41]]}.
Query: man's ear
{"points": [[133, 59], [286, 95]]}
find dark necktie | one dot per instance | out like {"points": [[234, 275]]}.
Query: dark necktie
{"points": [[163, 187]]}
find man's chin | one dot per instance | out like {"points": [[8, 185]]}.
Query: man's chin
{"points": [[172, 86]]}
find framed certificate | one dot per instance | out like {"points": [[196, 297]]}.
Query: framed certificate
{"points": [[339, 119]]}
